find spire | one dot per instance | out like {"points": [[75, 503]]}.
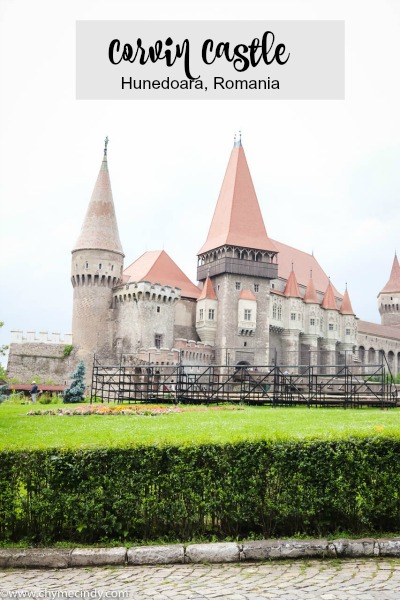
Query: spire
{"points": [[208, 291], [346, 308], [310, 295], [329, 302], [100, 229], [292, 289], [393, 285], [237, 218]]}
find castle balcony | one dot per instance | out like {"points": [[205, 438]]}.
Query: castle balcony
{"points": [[237, 266]]}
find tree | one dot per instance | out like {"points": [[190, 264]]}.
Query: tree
{"points": [[3, 349], [76, 391]]}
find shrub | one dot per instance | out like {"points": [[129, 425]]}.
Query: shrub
{"points": [[269, 488], [76, 391], [67, 350], [45, 399]]}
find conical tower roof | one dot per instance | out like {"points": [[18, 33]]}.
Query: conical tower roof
{"points": [[237, 218], [208, 291], [156, 266], [393, 285], [247, 295], [329, 302], [310, 295], [292, 289], [346, 308], [100, 230]]}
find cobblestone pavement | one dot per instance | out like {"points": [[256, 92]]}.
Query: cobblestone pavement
{"points": [[371, 579]]}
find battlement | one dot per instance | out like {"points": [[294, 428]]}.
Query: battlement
{"points": [[144, 290], [41, 337]]}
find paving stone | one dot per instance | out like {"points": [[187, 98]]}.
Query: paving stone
{"points": [[93, 557], [156, 555], [57, 558], [212, 553]]}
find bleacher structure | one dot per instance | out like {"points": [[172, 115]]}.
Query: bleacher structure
{"points": [[284, 385]]}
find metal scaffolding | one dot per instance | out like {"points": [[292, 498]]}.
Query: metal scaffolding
{"points": [[276, 385]]}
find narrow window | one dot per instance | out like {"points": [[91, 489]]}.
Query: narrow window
{"points": [[157, 340], [158, 309], [247, 314], [256, 287], [201, 314], [330, 326], [99, 266], [211, 312], [347, 331], [238, 285], [312, 321], [292, 316], [274, 311]]}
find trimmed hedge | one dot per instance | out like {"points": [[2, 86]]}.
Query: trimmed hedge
{"points": [[269, 488]]}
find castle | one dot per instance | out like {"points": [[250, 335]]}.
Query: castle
{"points": [[258, 301]]}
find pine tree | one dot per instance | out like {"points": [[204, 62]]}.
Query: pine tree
{"points": [[76, 391]]}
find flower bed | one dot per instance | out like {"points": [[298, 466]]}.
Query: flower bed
{"points": [[95, 409]]}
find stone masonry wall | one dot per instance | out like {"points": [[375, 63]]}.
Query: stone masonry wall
{"points": [[40, 360]]}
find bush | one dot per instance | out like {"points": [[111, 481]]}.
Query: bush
{"points": [[269, 488], [76, 391]]}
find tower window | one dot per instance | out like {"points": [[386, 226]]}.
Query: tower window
{"points": [[238, 285], [330, 326], [100, 266], [211, 313], [347, 331], [247, 314], [112, 267], [157, 340], [256, 287], [292, 316], [86, 265], [312, 321], [158, 309], [201, 314], [274, 311]]}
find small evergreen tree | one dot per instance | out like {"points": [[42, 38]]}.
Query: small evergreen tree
{"points": [[76, 391]]}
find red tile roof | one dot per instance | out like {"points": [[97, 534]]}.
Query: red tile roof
{"points": [[304, 263], [329, 302], [310, 295], [292, 289], [237, 218], [208, 291], [378, 330], [346, 308], [393, 285], [158, 267], [100, 228], [247, 295]]}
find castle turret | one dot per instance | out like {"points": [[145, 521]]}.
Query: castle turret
{"points": [[207, 313], [389, 297], [97, 264], [238, 255]]}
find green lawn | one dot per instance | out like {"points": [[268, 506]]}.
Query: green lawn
{"points": [[18, 431]]}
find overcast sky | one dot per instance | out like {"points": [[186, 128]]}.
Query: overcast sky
{"points": [[326, 173]]}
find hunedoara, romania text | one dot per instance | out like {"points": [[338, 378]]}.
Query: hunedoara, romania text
{"points": [[242, 56]]}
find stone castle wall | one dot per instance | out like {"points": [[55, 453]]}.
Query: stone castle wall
{"points": [[30, 360]]}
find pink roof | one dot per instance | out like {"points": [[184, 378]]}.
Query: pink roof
{"points": [[100, 229], [310, 295], [304, 263], [208, 291], [237, 218], [247, 295], [377, 329], [292, 289], [346, 308], [329, 302], [157, 267], [393, 285]]}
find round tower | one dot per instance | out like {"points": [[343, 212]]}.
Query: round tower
{"points": [[389, 297], [96, 267]]}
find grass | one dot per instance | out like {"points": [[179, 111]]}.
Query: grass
{"points": [[18, 431]]}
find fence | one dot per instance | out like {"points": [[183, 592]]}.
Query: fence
{"points": [[275, 385]]}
